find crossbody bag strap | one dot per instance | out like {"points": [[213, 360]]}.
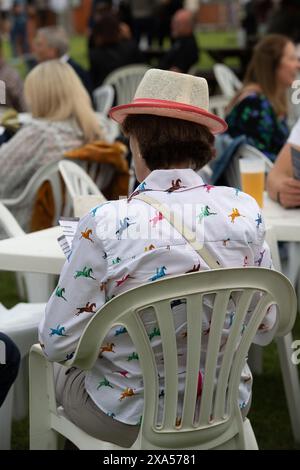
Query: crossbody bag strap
{"points": [[187, 234]]}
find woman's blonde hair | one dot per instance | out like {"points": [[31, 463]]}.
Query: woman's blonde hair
{"points": [[53, 91], [262, 70]]}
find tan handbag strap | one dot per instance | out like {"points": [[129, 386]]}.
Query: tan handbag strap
{"points": [[189, 236]]}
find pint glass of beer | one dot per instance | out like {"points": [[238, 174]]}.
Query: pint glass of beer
{"points": [[252, 171]]}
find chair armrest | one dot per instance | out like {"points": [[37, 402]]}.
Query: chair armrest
{"points": [[36, 348]]}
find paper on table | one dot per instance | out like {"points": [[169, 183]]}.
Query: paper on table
{"points": [[69, 226], [64, 246]]}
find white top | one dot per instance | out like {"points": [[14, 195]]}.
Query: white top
{"points": [[123, 244], [294, 137]]}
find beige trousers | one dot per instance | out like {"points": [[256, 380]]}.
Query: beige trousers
{"points": [[82, 411]]}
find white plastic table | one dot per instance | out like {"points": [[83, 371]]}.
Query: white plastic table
{"points": [[285, 226], [37, 252], [285, 222]]}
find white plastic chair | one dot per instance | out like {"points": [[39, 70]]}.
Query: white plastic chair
{"points": [[80, 184], [217, 105], [45, 173], [35, 287], [125, 81], [77, 181], [20, 323], [104, 98], [217, 422], [228, 82]]}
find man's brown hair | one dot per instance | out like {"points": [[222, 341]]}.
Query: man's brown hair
{"points": [[167, 142]]}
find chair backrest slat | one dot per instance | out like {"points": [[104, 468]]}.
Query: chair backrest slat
{"points": [[237, 320], [167, 333], [215, 333], [228, 82], [194, 337], [104, 98], [77, 181], [246, 338]]}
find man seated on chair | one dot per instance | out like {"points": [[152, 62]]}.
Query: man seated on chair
{"points": [[52, 42], [126, 243], [184, 51], [9, 365]]}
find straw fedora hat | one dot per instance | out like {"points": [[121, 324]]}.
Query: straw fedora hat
{"points": [[171, 94]]}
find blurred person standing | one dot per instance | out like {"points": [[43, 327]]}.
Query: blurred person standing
{"points": [[286, 20], [18, 31], [112, 50], [165, 10], [143, 19], [5, 7]]}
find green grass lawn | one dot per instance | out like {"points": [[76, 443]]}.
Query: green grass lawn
{"points": [[268, 414]]}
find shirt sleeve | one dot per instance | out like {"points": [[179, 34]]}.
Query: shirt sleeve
{"points": [[78, 295]]}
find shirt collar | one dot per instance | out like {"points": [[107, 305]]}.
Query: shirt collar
{"points": [[64, 58], [171, 180]]}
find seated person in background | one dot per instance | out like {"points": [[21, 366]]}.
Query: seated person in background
{"points": [[281, 183], [171, 135], [51, 43], [63, 119], [111, 48], [259, 109], [9, 365], [184, 51], [13, 84]]}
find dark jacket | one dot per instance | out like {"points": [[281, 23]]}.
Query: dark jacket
{"points": [[82, 74], [107, 58], [183, 54]]}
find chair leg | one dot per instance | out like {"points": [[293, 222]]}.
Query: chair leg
{"points": [[21, 396], [39, 287], [6, 421], [255, 359], [291, 382], [250, 439], [42, 437], [20, 280]]}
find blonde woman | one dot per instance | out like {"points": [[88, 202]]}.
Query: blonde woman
{"points": [[63, 119]]}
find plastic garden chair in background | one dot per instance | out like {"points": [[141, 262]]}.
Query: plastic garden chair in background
{"points": [[228, 82], [217, 105], [77, 181], [125, 81], [103, 97]]}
